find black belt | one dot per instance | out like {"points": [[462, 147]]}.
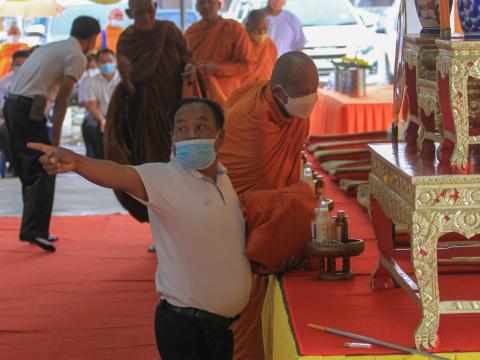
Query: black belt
{"points": [[199, 314], [19, 99]]}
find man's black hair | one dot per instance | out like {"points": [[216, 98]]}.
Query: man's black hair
{"points": [[104, 51], [217, 110], [85, 27], [20, 54]]}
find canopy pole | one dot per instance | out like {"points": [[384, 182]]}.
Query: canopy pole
{"points": [[183, 15]]}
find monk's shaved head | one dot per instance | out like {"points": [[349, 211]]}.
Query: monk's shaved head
{"points": [[255, 16], [294, 76], [142, 12], [292, 66], [132, 3]]}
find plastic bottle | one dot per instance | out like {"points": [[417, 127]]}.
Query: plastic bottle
{"points": [[322, 222], [319, 186], [308, 174], [340, 224]]}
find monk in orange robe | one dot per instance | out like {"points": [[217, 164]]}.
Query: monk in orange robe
{"points": [[10, 47], [221, 50], [108, 38], [264, 48], [151, 57], [266, 125]]}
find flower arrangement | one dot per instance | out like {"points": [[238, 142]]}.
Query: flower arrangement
{"points": [[351, 62]]}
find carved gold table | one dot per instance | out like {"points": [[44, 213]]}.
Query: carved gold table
{"points": [[431, 200], [458, 78], [419, 55]]}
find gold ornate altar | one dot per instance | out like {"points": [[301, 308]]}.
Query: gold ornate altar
{"points": [[422, 118], [432, 200], [458, 69]]}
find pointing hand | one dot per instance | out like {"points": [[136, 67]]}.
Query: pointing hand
{"points": [[55, 160]]}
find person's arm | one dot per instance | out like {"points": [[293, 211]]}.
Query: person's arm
{"points": [[124, 69], [56, 160], [61, 105], [94, 110]]}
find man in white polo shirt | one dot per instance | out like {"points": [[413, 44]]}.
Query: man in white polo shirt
{"points": [[198, 228], [99, 92], [48, 75]]}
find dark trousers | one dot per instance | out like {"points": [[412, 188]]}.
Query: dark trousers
{"points": [[37, 186], [93, 137], [5, 142], [183, 337]]}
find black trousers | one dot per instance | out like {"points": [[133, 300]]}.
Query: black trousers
{"points": [[93, 137], [183, 337], [37, 186], [5, 142]]}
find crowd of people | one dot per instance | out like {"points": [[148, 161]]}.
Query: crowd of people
{"points": [[200, 118]]}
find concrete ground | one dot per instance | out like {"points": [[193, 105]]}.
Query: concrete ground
{"points": [[73, 194]]}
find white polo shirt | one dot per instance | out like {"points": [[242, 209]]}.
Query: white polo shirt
{"points": [[100, 89], [199, 233], [43, 71]]}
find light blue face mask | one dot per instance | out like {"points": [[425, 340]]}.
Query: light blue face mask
{"points": [[107, 68], [196, 154], [116, 23]]}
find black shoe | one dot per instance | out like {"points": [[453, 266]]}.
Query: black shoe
{"points": [[41, 242], [151, 249], [52, 238]]}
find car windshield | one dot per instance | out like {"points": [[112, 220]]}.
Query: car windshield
{"points": [[374, 3], [321, 13]]}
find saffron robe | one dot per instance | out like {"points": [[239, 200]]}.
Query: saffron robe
{"points": [[112, 35], [6, 52], [226, 43], [261, 152], [137, 131], [265, 57]]}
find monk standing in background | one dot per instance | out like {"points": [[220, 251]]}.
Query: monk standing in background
{"points": [[221, 50], [108, 37], [264, 48], [151, 57], [9, 47], [266, 125]]}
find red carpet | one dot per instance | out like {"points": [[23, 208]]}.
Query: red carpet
{"points": [[93, 299], [352, 306]]}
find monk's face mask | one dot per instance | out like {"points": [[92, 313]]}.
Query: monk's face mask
{"points": [[302, 106], [259, 38]]}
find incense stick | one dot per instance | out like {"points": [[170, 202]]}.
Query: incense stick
{"points": [[375, 341]]}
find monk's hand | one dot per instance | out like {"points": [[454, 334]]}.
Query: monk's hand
{"points": [[188, 72], [124, 69], [55, 160], [208, 67]]}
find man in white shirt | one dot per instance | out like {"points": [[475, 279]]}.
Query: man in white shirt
{"points": [[284, 28], [97, 98], [18, 58], [48, 75], [198, 228]]}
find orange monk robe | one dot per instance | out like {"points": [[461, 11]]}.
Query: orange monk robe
{"points": [[226, 43], [262, 146], [261, 152], [6, 52], [112, 34], [266, 55]]}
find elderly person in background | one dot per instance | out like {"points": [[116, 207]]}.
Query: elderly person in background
{"points": [[108, 37], [9, 47], [285, 28]]}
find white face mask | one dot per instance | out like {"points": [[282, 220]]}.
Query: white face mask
{"points": [[301, 106], [13, 39]]}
